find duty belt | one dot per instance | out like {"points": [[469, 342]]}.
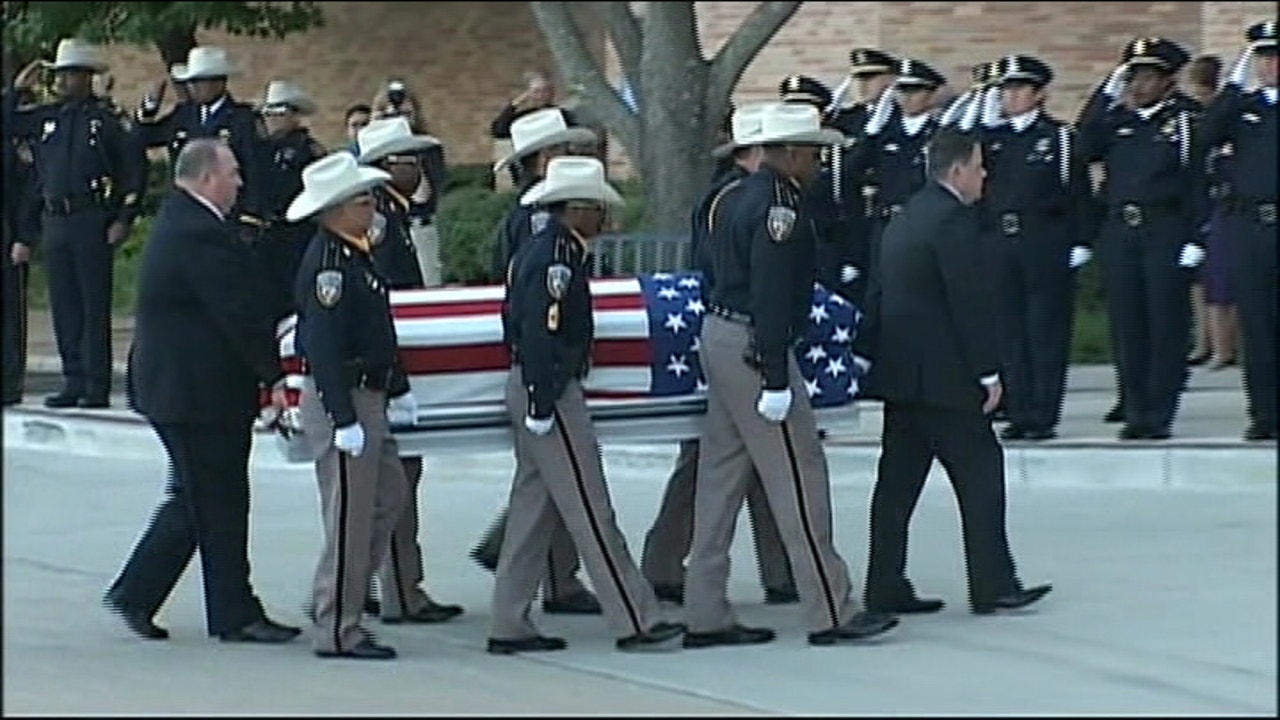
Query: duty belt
{"points": [[732, 316], [65, 206]]}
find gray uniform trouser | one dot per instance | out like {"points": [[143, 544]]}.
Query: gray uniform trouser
{"points": [[666, 545], [793, 469], [562, 470], [561, 578], [400, 577], [361, 499]]}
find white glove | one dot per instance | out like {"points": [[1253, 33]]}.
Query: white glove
{"points": [[1115, 85], [1242, 70], [864, 364], [774, 405], [1191, 256], [539, 426], [1080, 256], [849, 273], [349, 439], [402, 410]]}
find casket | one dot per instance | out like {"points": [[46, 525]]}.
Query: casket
{"points": [[645, 384]]}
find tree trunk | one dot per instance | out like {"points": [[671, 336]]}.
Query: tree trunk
{"points": [[174, 47]]}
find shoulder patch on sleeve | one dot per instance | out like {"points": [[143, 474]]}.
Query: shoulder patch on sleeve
{"points": [[781, 221], [328, 288], [538, 221]]}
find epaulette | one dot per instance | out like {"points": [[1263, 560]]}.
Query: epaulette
{"points": [[333, 254]]}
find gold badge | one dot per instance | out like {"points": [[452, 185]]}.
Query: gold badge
{"points": [[781, 221], [328, 288]]}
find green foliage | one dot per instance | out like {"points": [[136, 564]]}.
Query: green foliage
{"points": [[467, 221], [34, 28]]}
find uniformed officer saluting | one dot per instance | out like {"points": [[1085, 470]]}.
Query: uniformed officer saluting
{"points": [[389, 145], [757, 408], [539, 137], [549, 328], [347, 340], [1249, 121], [212, 112], [1149, 242], [92, 173], [1037, 212]]}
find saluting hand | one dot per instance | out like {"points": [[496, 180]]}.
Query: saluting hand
{"points": [[26, 78]]}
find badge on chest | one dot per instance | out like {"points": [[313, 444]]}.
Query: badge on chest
{"points": [[781, 222]]}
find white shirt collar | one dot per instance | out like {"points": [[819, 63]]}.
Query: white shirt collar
{"points": [[913, 125], [954, 192], [1025, 120], [208, 204], [213, 107], [1148, 112]]}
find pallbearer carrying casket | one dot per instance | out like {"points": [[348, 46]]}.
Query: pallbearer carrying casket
{"points": [[548, 324], [347, 341]]}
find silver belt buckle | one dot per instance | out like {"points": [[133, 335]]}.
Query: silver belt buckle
{"points": [[1131, 214], [1010, 223], [1267, 213]]}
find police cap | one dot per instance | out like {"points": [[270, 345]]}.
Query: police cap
{"points": [[1025, 68], [1262, 36], [865, 62], [1165, 55], [914, 73], [804, 89]]}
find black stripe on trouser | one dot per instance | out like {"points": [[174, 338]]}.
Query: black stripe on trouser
{"points": [[806, 524], [340, 576], [595, 525], [397, 578], [552, 591]]}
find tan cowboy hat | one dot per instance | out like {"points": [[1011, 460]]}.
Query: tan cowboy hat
{"points": [[177, 71], [572, 178], [390, 136], [795, 124], [542, 129], [746, 129], [329, 181], [76, 54], [282, 93], [205, 63]]}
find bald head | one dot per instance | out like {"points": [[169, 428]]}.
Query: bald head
{"points": [[207, 167]]}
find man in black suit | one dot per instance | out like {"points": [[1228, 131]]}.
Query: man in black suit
{"points": [[929, 343], [202, 350]]}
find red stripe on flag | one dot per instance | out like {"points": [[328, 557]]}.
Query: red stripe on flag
{"points": [[494, 357], [416, 311]]}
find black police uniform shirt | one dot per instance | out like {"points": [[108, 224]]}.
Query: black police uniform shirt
{"points": [[288, 154], [394, 253], [83, 154], [1149, 157], [1249, 121], [346, 334], [232, 121], [896, 158], [763, 253], [706, 214], [1037, 175], [547, 315], [518, 227]]}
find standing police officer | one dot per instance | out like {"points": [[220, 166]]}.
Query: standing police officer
{"points": [[758, 413], [92, 175], [21, 228], [1144, 134], [348, 340], [548, 325], [1248, 120], [1036, 211]]}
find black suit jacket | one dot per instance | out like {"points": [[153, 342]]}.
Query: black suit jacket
{"points": [[202, 340], [930, 323]]}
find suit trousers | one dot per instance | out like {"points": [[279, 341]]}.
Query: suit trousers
{"points": [[792, 466], [401, 575], [563, 470], [79, 264], [962, 440], [206, 506], [1256, 282], [666, 545], [362, 499], [14, 285]]}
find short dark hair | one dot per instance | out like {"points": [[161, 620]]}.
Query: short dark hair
{"points": [[356, 110], [1206, 71], [947, 149]]}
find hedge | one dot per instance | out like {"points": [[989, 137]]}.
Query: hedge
{"points": [[468, 220]]}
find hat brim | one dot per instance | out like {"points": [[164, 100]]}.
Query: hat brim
{"points": [[309, 203], [398, 146], [1150, 62], [1024, 77], [86, 67], [542, 194], [824, 136], [568, 136], [861, 71], [302, 106], [210, 74], [915, 82], [1268, 45], [721, 152]]}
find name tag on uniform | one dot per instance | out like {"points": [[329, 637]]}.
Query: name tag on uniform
{"points": [[1124, 132]]}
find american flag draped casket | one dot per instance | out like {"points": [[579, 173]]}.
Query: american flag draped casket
{"points": [[645, 383]]}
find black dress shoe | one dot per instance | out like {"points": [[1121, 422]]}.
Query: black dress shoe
{"points": [[372, 607], [363, 650], [429, 614], [1160, 433], [1223, 364], [669, 593], [62, 400], [906, 606], [537, 643], [94, 403], [659, 637], [139, 623], [862, 626], [736, 635], [486, 561], [11, 400], [1013, 432], [1038, 434], [1197, 360], [781, 596], [583, 603], [1132, 432], [1114, 415], [1015, 600], [1259, 431], [261, 631]]}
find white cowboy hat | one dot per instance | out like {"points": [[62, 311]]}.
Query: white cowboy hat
{"points": [[207, 62], [284, 93], [572, 178], [76, 54], [746, 129], [390, 136], [795, 124], [329, 181], [177, 71], [542, 129]]}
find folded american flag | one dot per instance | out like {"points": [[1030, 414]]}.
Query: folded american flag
{"points": [[646, 343]]}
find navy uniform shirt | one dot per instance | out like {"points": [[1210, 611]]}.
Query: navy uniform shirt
{"points": [[1247, 120], [346, 334], [287, 155], [517, 228], [239, 126], [896, 160], [763, 254], [547, 315], [83, 152], [394, 253], [706, 214]]}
